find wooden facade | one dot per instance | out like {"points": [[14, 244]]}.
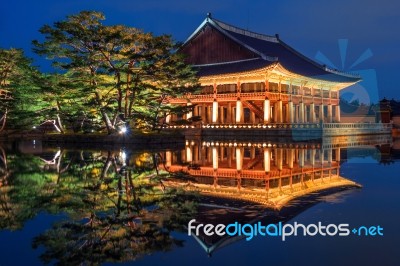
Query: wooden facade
{"points": [[251, 78]]}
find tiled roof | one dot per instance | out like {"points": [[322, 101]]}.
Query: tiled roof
{"points": [[270, 49]]}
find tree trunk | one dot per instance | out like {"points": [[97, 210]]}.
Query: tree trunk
{"points": [[4, 120], [104, 115]]}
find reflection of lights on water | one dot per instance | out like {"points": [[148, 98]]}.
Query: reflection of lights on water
{"points": [[122, 154]]}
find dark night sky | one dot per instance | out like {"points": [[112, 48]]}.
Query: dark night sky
{"points": [[309, 26]]}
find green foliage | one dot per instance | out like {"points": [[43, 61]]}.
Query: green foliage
{"points": [[19, 90], [117, 74]]}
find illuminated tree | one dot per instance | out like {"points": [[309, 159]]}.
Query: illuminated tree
{"points": [[125, 74]]}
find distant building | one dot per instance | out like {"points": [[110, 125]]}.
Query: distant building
{"points": [[252, 78]]}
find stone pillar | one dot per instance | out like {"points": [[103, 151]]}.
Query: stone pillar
{"points": [[214, 112], [287, 114], [337, 113], [229, 113], [221, 115], [168, 159], [239, 110], [189, 114], [291, 158], [229, 156], [168, 119], [291, 112], [189, 154], [267, 111], [215, 158], [321, 113], [209, 114], [313, 152], [313, 119], [321, 156], [329, 113], [267, 159], [301, 158], [239, 159], [337, 155], [301, 112], [330, 156], [196, 153], [279, 158], [209, 155], [279, 113]]}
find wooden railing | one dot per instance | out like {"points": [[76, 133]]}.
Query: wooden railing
{"points": [[274, 96]]}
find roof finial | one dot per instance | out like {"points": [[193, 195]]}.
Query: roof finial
{"points": [[209, 15]]}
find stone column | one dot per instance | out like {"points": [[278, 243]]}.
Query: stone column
{"points": [[267, 159], [301, 158], [321, 113], [330, 156], [313, 152], [337, 113], [279, 158], [312, 113], [279, 109], [337, 155], [189, 154], [267, 111], [209, 114], [168, 119], [239, 110], [221, 115], [215, 112], [190, 114], [229, 113], [168, 158], [329, 113], [229, 156], [215, 158], [291, 112], [290, 158], [239, 159], [301, 112]]}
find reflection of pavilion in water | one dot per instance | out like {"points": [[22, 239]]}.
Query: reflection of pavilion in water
{"points": [[269, 174], [266, 181]]}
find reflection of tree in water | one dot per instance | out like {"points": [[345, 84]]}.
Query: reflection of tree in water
{"points": [[23, 189], [118, 208]]}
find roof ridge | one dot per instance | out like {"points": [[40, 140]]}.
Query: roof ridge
{"points": [[238, 30]]}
